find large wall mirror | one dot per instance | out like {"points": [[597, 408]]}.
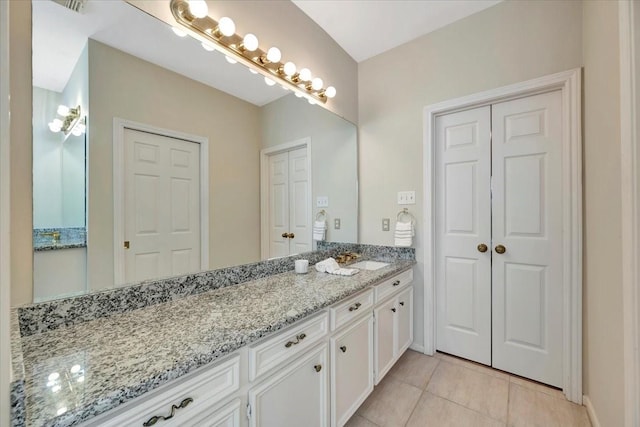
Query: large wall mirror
{"points": [[155, 157]]}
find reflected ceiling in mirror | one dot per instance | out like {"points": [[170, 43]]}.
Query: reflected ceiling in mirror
{"points": [[140, 72]]}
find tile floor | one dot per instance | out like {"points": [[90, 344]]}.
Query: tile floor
{"points": [[440, 391]]}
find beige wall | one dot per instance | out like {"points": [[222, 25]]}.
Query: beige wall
{"points": [[603, 336], [507, 43], [281, 23], [129, 88], [21, 157], [334, 153]]}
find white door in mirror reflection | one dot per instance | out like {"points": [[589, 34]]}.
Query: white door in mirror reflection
{"points": [[162, 206], [289, 203]]}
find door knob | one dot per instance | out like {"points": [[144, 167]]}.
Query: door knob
{"points": [[285, 235], [482, 248], [291, 235], [501, 249], [318, 368], [343, 348], [126, 244]]}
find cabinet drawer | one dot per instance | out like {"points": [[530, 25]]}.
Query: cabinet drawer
{"points": [[227, 416], [344, 312], [274, 351], [195, 394], [390, 286]]}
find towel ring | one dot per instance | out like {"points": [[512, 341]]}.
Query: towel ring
{"points": [[406, 212], [320, 214]]}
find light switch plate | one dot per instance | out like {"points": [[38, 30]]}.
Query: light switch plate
{"points": [[406, 197], [336, 223], [385, 224], [322, 201]]}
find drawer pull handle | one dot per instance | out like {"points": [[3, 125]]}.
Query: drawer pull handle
{"points": [[402, 303], [297, 341], [393, 309], [396, 283], [318, 368], [153, 420], [355, 307], [343, 348]]}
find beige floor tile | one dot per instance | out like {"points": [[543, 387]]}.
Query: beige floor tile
{"points": [[532, 408], [434, 411], [391, 403], [475, 390], [358, 421], [473, 365], [532, 385], [414, 368]]}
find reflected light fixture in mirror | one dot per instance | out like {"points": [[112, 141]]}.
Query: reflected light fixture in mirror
{"points": [[192, 15], [71, 122]]}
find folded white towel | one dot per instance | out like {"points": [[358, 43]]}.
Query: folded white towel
{"points": [[404, 233], [331, 266], [319, 230]]}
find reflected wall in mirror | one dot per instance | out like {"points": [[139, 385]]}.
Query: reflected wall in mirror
{"points": [[154, 103]]}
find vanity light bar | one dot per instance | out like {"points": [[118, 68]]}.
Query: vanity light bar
{"points": [[221, 35]]}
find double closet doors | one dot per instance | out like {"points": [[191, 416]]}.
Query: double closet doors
{"points": [[499, 245]]}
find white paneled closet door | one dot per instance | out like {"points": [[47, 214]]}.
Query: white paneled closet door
{"points": [[463, 222], [498, 176], [527, 222]]}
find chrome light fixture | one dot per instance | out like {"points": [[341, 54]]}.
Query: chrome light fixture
{"points": [[70, 123], [193, 16]]}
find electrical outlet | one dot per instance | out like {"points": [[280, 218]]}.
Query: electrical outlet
{"points": [[322, 202], [385, 224], [336, 223], [406, 197]]}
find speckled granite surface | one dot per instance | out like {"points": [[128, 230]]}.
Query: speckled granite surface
{"points": [[79, 371], [70, 237], [50, 315]]}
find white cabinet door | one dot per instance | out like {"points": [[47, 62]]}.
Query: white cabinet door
{"points": [[527, 222], [278, 205], [385, 339], [299, 202], [463, 221], [298, 395], [404, 320], [352, 369]]}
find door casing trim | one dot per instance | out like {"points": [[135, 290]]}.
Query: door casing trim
{"points": [[569, 83], [119, 126]]}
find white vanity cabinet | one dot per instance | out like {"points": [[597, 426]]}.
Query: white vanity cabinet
{"points": [[297, 395], [351, 368], [393, 322]]}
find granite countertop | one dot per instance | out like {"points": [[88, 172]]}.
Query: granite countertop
{"points": [[69, 238], [74, 373]]}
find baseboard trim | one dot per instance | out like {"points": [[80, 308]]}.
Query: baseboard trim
{"points": [[416, 347], [590, 411]]}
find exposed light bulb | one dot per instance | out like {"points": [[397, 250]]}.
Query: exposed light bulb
{"points": [[316, 84], [63, 110], [253, 71], [226, 26], [250, 42], [274, 54], [230, 60], [178, 32], [305, 74], [198, 8], [330, 92], [269, 82], [54, 128], [289, 68], [207, 47], [82, 127]]}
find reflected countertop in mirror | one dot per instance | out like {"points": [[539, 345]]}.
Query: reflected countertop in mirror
{"points": [[138, 72]]}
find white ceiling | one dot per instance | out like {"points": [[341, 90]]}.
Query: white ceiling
{"points": [[59, 36], [363, 28], [366, 28]]}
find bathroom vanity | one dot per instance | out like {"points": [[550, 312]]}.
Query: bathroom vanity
{"points": [[280, 349]]}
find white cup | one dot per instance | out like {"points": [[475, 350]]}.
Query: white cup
{"points": [[302, 266]]}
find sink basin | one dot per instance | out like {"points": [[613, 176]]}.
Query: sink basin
{"points": [[368, 265]]}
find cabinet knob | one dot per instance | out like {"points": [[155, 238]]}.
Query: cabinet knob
{"points": [[393, 309], [402, 303], [343, 348], [318, 368], [355, 307], [396, 283]]}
